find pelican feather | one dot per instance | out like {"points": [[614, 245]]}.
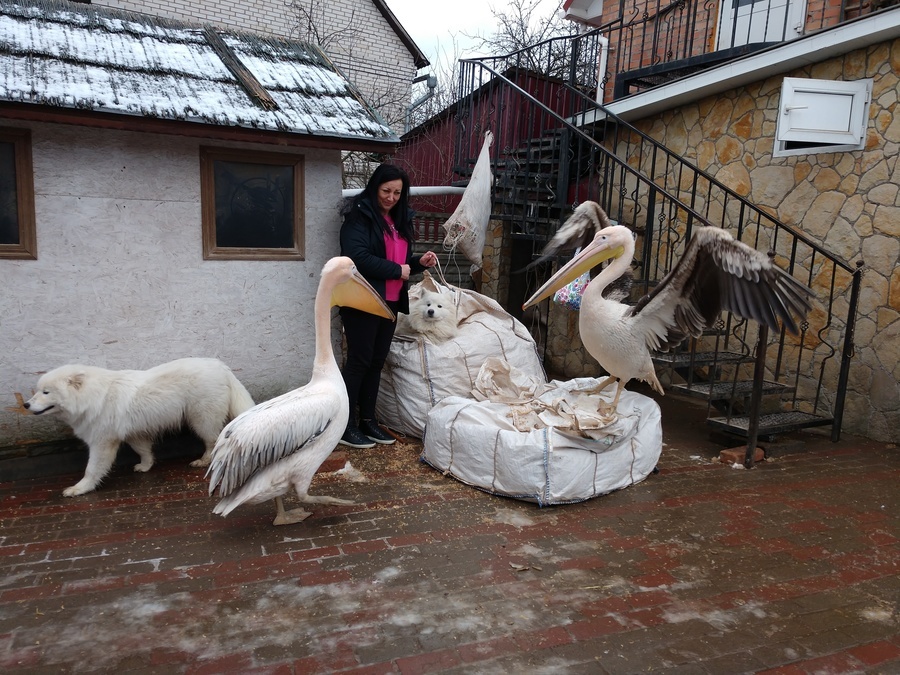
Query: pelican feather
{"points": [[279, 444], [715, 273]]}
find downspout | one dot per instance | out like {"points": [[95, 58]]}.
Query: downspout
{"points": [[432, 85]]}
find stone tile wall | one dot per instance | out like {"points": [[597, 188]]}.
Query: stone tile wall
{"points": [[849, 202]]}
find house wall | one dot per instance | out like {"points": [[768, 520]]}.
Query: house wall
{"points": [[355, 35], [649, 32], [849, 202], [120, 281]]}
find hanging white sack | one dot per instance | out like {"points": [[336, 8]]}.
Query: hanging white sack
{"points": [[507, 448], [419, 373], [467, 226]]}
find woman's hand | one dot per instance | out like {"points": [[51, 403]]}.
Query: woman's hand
{"points": [[429, 259], [404, 271]]}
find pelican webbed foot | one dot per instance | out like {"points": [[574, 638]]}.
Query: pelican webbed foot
{"points": [[283, 517]]}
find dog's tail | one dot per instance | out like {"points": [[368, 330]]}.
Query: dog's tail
{"points": [[239, 398]]}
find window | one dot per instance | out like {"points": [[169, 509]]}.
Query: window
{"points": [[822, 116], [252, 204], [17, 234]]}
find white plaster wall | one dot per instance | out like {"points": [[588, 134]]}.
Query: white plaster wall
{"points": [[120, 281]]}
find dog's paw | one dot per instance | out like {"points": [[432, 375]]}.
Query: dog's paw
{"points": [[143, 467], [75, 490], [200, 463]]}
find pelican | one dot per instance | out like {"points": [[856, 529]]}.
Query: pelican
{"points": [[281, 443], [716, 272]]}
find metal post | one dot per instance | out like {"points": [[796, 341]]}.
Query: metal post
{"points": [[759, 374], [847, 355]]}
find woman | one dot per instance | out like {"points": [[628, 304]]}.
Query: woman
{"points": [[377, 235]]}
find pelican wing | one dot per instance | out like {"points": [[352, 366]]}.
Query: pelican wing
{"points": [[269, 432], [576, 233], [718, 272]]}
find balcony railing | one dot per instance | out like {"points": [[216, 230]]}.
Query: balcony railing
{"points": [[644, 43]]}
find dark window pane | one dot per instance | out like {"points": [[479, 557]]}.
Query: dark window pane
{"points": [[9, 210], [254, 205]]}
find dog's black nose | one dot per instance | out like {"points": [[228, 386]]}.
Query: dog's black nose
{"points": [[27, 406], [430, 312]]}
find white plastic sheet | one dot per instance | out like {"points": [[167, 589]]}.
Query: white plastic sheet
{"points": [[500, 448]]}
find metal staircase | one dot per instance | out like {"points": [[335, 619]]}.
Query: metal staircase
{"points": [[547, 160]]}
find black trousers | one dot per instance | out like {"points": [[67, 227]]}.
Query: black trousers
{"points": [[368, 343]]}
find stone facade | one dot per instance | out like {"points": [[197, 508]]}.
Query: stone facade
{"points": [[359, 39], [849, 202]]}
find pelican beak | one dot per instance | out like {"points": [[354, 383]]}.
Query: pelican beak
{"points": [[358, 293], [592, 255]]}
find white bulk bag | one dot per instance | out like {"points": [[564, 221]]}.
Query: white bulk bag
{"points": [[480, 444], [418, 374]]}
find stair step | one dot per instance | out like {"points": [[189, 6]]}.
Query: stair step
{"points": [[772, 423], [684, 359], [722, 391]]}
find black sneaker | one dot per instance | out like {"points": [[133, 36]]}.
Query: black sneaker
{"points": [[375, 432], [355, 439]]}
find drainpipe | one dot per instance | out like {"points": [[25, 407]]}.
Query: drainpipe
{"points": [[601, 65], [432, 85]]}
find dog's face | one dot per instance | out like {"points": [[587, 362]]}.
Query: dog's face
{"points": [[434, 306], [54, 391]]}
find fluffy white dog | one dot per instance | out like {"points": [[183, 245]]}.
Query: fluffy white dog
{"points": [[106, 407], [430, 314]]}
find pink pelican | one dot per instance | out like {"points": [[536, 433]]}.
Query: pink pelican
{"points": [[716, 272], [281, 443]]}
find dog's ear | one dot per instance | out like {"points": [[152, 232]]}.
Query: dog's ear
{"points": [[76, 381]]}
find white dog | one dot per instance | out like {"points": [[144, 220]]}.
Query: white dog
{"points": [[106, 407], [430, 314]]}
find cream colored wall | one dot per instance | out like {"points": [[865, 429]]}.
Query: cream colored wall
{"points": [[367, 50], [120, 281]]}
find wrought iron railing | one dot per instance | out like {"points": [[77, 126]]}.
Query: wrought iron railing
{"points": [[546, 162], [644, 43]]}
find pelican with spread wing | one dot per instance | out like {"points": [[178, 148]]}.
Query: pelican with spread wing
{"points": [[281, 443], [716, 273]]}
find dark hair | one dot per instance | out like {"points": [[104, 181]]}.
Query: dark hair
{"points": [[385, 173]]}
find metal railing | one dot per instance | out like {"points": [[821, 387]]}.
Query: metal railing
{"points": [[545, 164], [644, 43]]}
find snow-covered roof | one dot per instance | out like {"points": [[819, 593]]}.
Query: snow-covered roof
{"points": [[86, 58]]}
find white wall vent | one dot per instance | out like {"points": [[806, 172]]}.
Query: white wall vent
{"points": [[822, 116]]}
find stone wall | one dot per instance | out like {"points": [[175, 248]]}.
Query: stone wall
{"points": [[357, 38], [849, 202]]}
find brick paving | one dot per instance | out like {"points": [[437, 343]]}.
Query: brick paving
{"points": [[790, 568]]}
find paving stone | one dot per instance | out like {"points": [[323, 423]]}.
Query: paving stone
{"points": [[700, 569]]}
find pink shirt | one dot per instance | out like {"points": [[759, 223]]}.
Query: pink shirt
{"points": [[395, 248]]}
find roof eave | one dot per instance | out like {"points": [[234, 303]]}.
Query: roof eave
{"points": [[103, 120], [419, 57]]}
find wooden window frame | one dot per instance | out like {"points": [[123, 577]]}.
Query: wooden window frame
{"points": [[211, 251], [26, 249]]}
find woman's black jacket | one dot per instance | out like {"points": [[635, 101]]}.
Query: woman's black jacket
{"points": [[362, 240]]}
